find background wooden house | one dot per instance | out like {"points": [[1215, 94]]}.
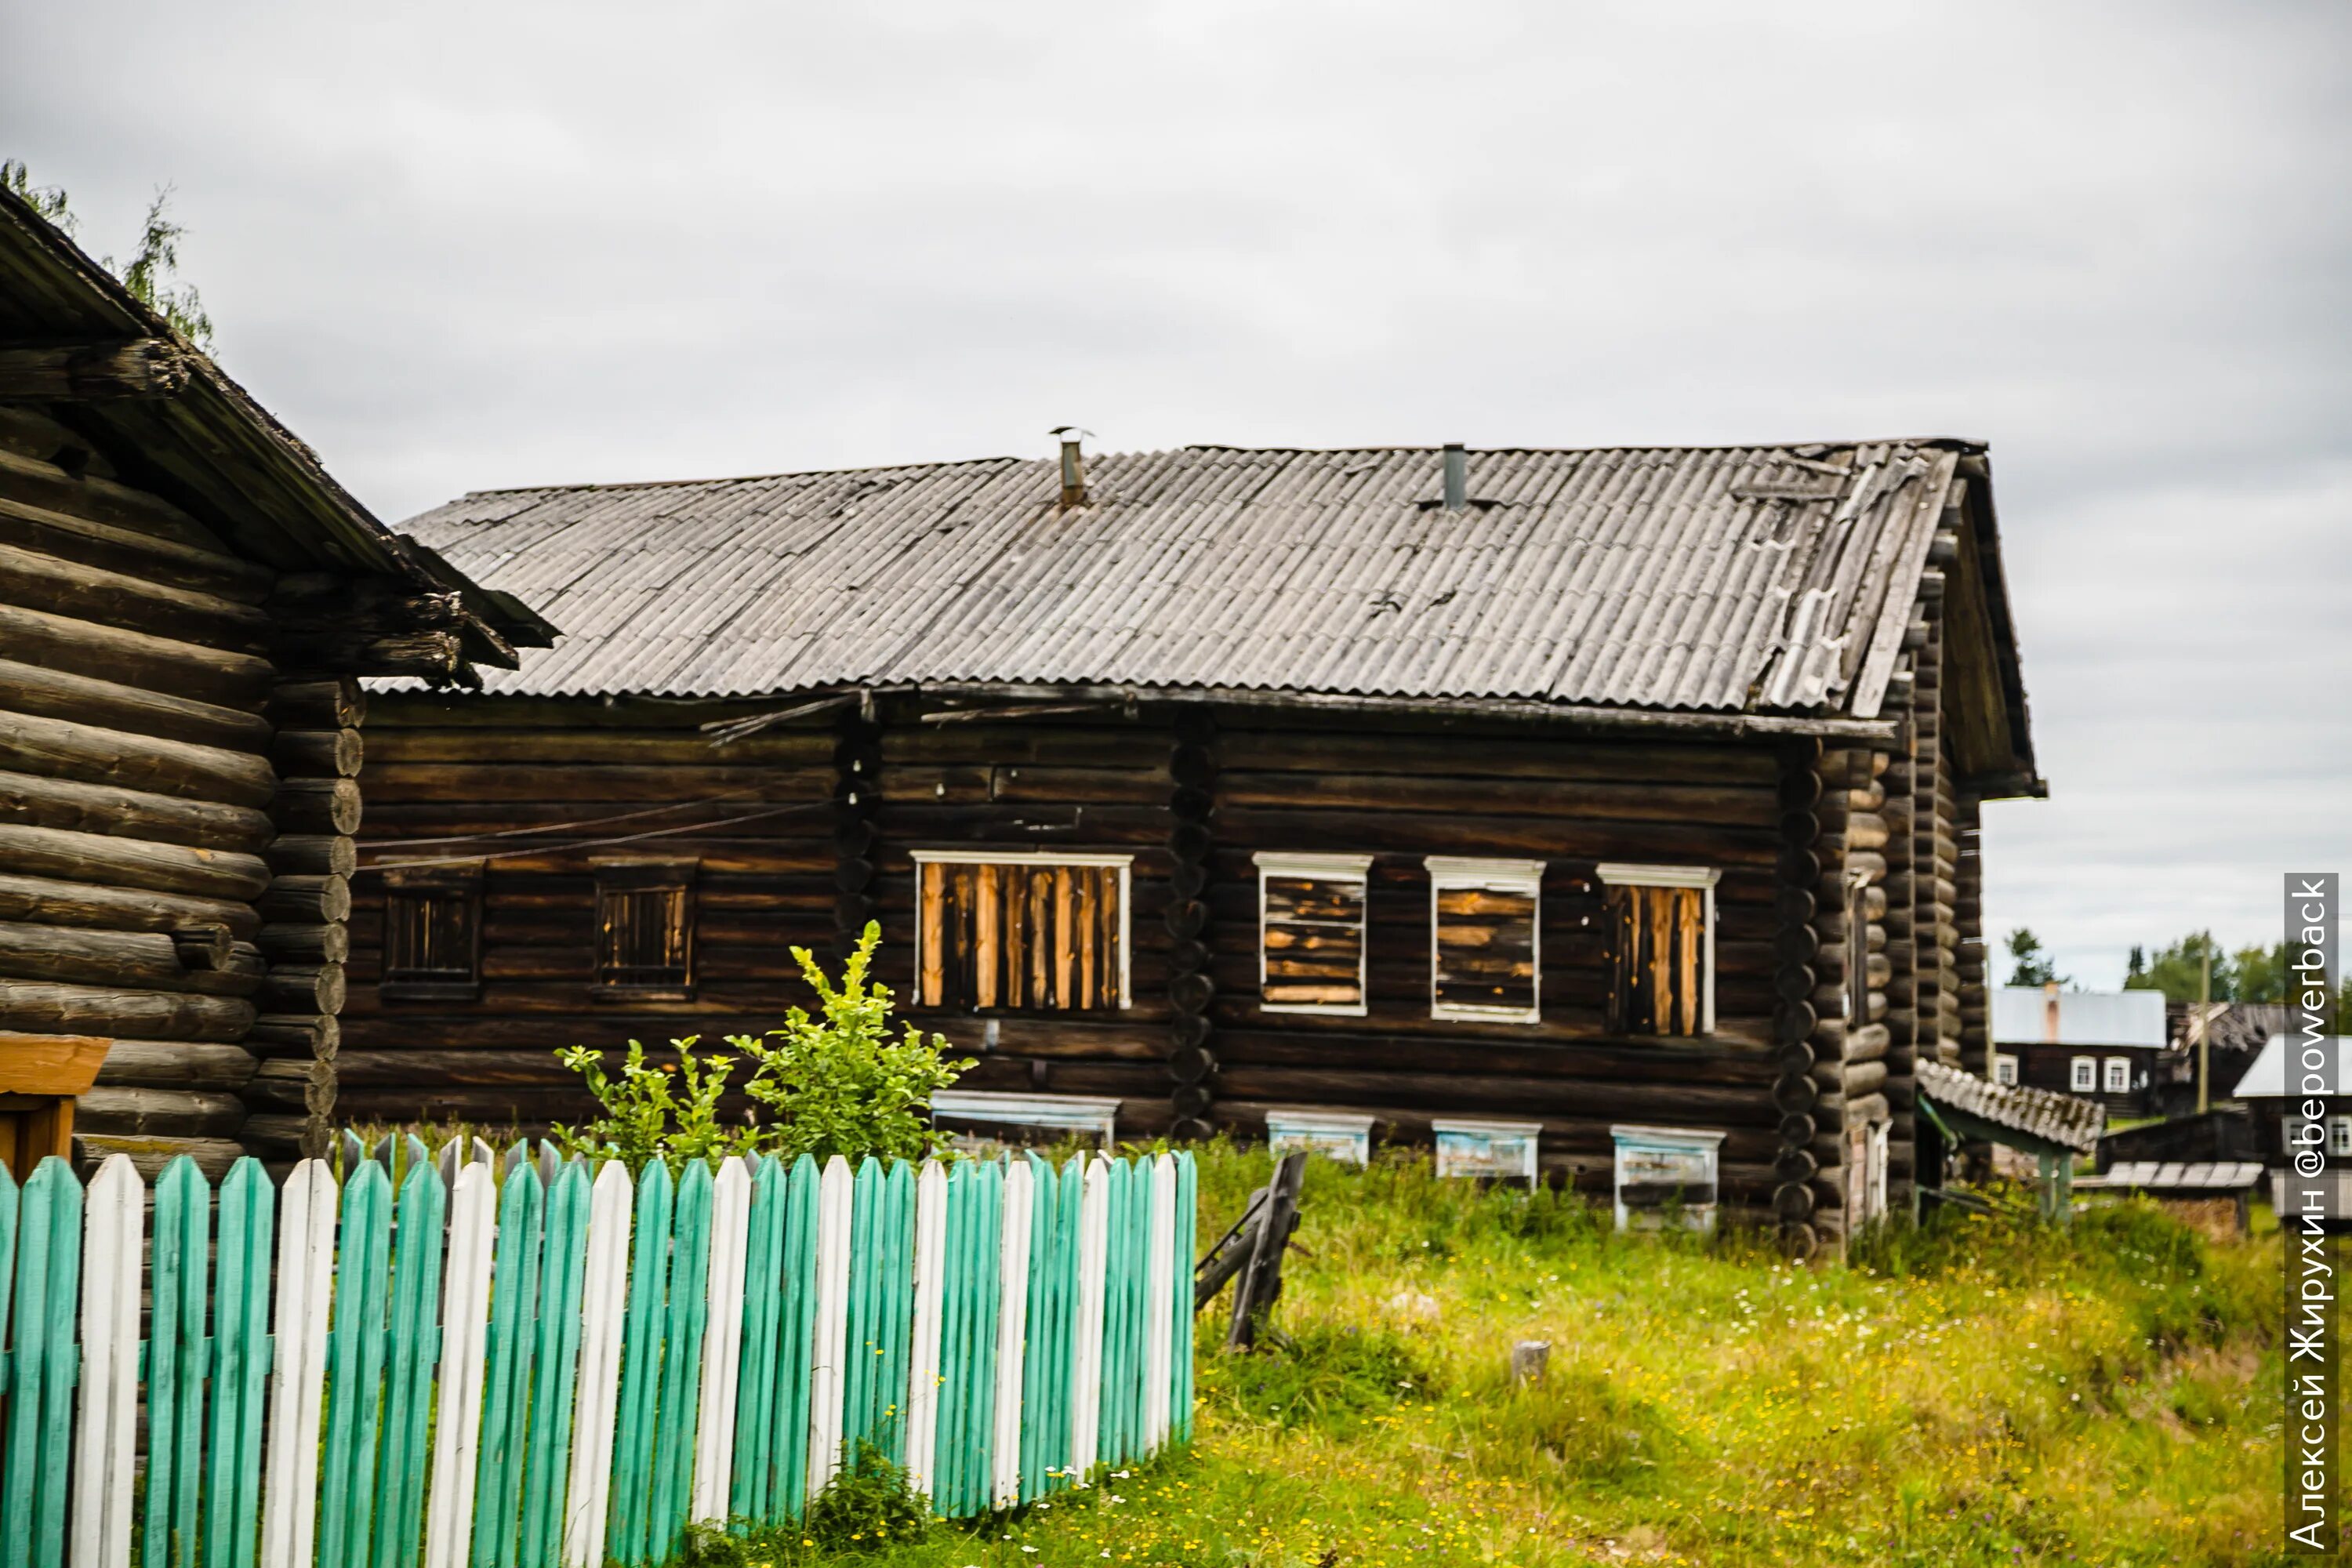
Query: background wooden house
{"points": [[186, 596], [2099, 1044], [1614, 794]]}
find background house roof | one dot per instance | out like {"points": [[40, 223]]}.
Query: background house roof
{"points": [[2021, 1016], [1736, 580], [2267, 1079]]}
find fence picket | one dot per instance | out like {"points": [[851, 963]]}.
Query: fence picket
{"points": [[175, 1365], [1157, 1304], [722, 1341], [1087, 1350], [604, 1308], [465, 1331], [555, 1358], [240, 1365], [796, 1337], [682, 1358], [41, 1380], [898, 1313], [641, 1368], [106, 1437], [408, 1378], [355, 1368], [506, 1385], [751, 1494], [923, 1342], [306, 1256], [825, 1391], [1181, 1293], [1015, 1234]]}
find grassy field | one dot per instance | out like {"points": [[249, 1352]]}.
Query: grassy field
{"points": [[1993, 1393]]}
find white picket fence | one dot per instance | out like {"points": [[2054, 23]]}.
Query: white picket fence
{"points": [[476, 1367]]}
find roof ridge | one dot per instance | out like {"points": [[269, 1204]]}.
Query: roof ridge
{"points": [[1957, 443]]}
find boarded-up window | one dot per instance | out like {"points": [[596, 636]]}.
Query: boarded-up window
{"points": [[1311, 932], [1483, 938], [432, 932], [1660, 921], [1023, 934], [644, 927]]}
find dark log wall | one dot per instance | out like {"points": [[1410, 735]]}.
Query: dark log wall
{"points": [[1570, 801], [136, 788], [455, 778]]}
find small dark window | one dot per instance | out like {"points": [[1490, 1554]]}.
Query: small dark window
{"points": [[645, 928], [433, 933], [1029, 934], [1661, 949], [1311, 932]]}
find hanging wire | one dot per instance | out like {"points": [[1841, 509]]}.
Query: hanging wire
{"points": [[561, 826], [600, 843]]}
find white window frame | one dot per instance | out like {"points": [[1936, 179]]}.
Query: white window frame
{"points": [[1457, 871], [2339, 1135], [2116, 1069], [2004, 1071], [2083, 1075], [1622, 874], [1124, 864], [1356, 869]]}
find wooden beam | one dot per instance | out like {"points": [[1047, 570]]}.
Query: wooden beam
{"points": [[78, 372]]}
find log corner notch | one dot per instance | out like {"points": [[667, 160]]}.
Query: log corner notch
{"points": [[86, 372], [1192, 767], [1794, 1018]]}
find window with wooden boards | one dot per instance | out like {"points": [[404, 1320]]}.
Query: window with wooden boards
{"points": [[1485, 945], [1311, 932], [1661, 949], [645, 928], [1007, 930], [432, 934]]}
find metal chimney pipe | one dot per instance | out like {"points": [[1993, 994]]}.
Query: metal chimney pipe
{"points": [[1074, 473], [1458, 477]]}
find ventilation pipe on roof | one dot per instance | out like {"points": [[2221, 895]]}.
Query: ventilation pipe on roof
{"points": [[1073, 467], [1458, 477], [2049, 1035]]}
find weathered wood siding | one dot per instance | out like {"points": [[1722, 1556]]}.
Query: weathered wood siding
{"points": [[136, 787], [538, 791]]}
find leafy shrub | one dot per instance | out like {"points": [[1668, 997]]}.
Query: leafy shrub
{"points": [[842, 1086], [644, 1117], [837, 1085], [869, 1504]]}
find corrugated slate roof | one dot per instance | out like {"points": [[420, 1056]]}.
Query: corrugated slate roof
{"points": [[2020, 1015], [2040, 1113], [1750, 579]]}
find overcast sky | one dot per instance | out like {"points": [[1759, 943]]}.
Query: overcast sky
{"points": [[460, 246]]}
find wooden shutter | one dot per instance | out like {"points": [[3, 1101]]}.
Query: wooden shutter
{"points": [[432, 932], [1020, 935], [1657, 960], [644, 927], [1485, 944], [1313, 936]]}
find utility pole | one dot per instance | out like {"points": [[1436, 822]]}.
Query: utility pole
{"points": [[2205, 1028]]}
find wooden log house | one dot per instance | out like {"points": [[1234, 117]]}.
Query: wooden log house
{"points": [[1615, 793], [187, 602]]}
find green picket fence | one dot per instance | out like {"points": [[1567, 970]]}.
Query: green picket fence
{"points": [[519, 1364]]}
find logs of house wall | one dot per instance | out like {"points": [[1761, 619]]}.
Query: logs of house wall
{"points": [[318, 752], [858, 800], [584, 779], [1796, 873], [134, 774], [1973, 1017], [1192, 1056]]}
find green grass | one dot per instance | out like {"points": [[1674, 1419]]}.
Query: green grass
{"points": [[1990, 1392]]}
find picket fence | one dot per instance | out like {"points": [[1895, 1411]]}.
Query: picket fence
{"points": [[538, 1368]]}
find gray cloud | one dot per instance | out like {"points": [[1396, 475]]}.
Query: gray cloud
{"points": [[459, 247]]}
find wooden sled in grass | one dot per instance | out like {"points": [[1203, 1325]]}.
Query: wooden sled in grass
{"points": [[1252, 1249]]}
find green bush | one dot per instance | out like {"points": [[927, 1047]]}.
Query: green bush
{"points": [[1327, 1376], [837, 1084]]}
